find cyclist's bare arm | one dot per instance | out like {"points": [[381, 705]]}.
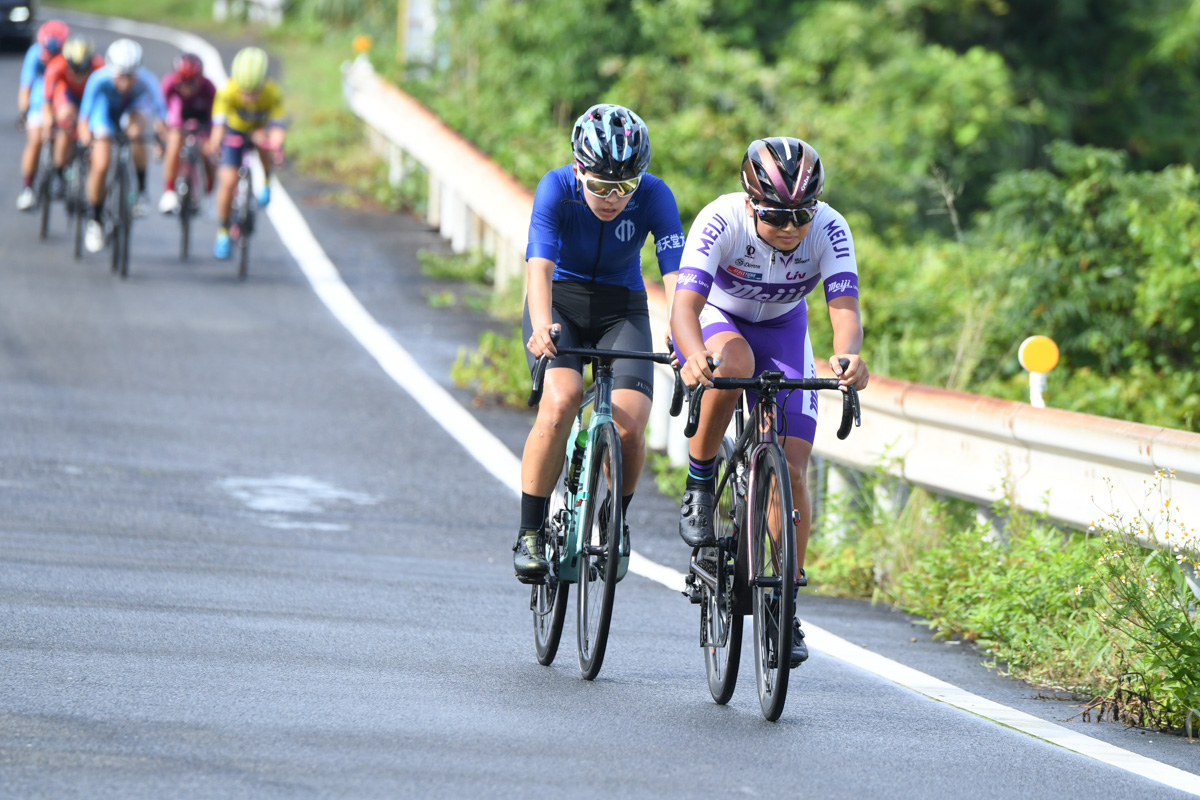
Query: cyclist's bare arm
{"points": [[689, 339], [846, 320], [540, 273]]}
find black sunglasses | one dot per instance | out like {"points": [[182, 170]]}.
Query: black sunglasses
{"points": [[780, 217]]}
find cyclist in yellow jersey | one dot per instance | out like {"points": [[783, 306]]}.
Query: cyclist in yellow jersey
{"points": [[248, 110]]}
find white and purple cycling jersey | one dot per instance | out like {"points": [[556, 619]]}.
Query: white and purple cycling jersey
{"points": [[726, 261], [758, 292]]}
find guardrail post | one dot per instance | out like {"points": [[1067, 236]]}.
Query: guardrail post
{"points": [[433, 209]]}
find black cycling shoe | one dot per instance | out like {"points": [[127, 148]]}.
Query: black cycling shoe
{"points": [[529, 565], [799, 648], [696, 518]]}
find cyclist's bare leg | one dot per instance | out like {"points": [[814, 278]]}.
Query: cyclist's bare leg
{"points": [[32, 153], [797, 452], [98, 169], [227, 178], [542, 460], [64, 143], [736, 361], [134, 130], [171, 157], [631, 412]]}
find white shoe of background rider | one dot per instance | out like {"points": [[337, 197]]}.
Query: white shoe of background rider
{"points": [[25, 199], [93, 238]]}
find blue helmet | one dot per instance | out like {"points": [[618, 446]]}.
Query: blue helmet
{"points": [[611, 142]]}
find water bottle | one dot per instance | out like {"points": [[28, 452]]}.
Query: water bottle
{"points": [[577, 460]]}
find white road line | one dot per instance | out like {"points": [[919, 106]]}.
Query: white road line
{"points": [[497, 459]]}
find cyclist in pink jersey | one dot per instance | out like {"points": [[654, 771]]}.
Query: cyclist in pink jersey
{"points": [[189, 97], [749, 261]]}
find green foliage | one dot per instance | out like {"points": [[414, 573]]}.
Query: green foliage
{"points": [[496, 371], [1056, 608]]}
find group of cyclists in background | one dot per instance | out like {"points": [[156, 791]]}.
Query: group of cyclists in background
{"points": [[71, 95]]}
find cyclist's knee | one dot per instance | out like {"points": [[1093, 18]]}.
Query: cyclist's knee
{"points": [[737, 359]]}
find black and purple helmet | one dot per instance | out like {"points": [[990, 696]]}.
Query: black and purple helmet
{"points": [[611, 142], [783, 172]]}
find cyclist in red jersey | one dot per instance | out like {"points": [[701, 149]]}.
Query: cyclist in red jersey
{"points": [[66, 76]]}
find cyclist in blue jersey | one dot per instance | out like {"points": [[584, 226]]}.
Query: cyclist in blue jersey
{"points": [[30, 99], [121, 95], [590, 220]]}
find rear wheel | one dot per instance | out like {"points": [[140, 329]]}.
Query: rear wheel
{"points": [[599, 563], [772, 570], [720, 623]]}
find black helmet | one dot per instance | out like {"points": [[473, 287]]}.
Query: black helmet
{"points": [[782, 171], [611, 142]]}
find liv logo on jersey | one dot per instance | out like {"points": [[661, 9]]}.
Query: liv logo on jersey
{"points": [[625, 230]]}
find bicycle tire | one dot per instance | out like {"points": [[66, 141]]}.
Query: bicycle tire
{"points": [[43, 199], [116, 193], [549, 600], [245, 219], [184, 191], [124, 221], [78, 191], [719, 619], [599, 562], [773, 571]]}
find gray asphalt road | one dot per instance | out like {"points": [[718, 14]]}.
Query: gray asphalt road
{"points": [[237, 561]]}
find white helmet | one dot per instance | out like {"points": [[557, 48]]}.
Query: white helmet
{"points": [[124, 56]]}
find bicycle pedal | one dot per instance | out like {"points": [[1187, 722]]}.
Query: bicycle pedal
{"points": [[692, 593]]}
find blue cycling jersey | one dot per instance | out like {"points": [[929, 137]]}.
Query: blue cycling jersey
{"points": [[101, 91], [583, 248], [34, 66]]}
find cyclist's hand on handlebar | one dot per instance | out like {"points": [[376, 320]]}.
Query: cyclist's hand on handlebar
{"points": [[696, 370], [855, 373], [540, 343]]}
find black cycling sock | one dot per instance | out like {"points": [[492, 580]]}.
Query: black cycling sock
{"points": [[141, 180], [94, 213], [533, 511], [625, 503], [701, 473]]}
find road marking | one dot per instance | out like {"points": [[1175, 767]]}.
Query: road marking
{"points": [[497, 459]]}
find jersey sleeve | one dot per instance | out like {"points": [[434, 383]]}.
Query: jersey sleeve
{"points": [[839, 268], [667, 230], [55, 71], [221, 106], [29, 67], [149, 82], [544, 222], [89, 93], [276, 112], [706, 244]]}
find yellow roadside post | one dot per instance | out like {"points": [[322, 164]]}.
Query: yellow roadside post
{"points": [[1038, 355]]}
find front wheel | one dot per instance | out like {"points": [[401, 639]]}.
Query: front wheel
{"points": [[244, 228], [720, 622], [772, 545], [599, 563]]}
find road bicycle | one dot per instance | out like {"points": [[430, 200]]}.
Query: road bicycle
{"points": [[43, 182], [191, 175], [118, 207], [583, 534], [76, 194], [752, 567], [245, 204]]}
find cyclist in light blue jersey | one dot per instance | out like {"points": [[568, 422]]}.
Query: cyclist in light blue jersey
{"points": [[590, 220], [52, 35], [123, 95]]}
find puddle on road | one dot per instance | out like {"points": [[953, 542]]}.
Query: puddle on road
{"points": [[279, 500]]}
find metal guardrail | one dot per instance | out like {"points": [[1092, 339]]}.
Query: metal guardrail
{"points": [[1073, 467]]}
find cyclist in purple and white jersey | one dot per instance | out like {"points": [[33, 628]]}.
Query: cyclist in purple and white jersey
{"points": [[590, 220], [749, 261]]}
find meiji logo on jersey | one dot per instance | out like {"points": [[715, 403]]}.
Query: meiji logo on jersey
{"points": [[626, 230], [748, 291], [839, 286], [686, 278], [836, 237], [741, 273], [710, 232]]}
